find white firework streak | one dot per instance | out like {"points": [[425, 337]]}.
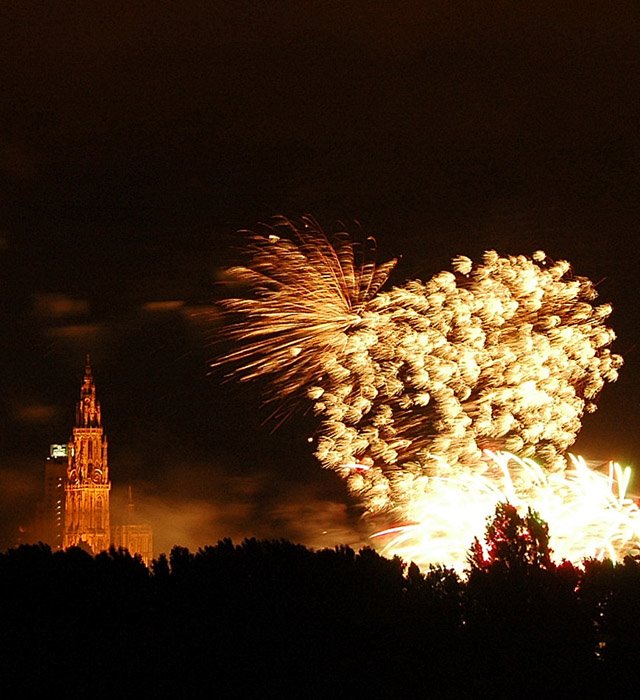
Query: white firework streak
{"points": [[588, 512]]}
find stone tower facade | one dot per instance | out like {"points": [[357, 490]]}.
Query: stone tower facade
{"points": [[86, 512]]}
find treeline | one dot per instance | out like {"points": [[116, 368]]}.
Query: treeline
{"points": [[276, 619]]}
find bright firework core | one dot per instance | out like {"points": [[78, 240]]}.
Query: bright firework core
{"points": [[437, 400], [588, 513]]}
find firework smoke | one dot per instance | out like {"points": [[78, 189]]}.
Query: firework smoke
{"points": [[415, 384]]}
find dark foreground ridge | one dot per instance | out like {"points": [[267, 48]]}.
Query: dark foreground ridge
{"points": [[276, 619]]}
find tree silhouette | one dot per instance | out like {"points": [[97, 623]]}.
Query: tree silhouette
{"points": [[275, 619], [523, 618], [512, 542]]}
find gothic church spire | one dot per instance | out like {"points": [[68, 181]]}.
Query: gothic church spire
{"points": [[88, 413]]}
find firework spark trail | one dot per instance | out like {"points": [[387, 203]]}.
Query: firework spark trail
{"points": [[413, 384], [588, 512]]}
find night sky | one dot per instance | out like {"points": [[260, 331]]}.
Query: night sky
{"points": [[137, 138]]}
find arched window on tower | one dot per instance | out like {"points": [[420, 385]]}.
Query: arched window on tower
{"points": [[99, 512]]}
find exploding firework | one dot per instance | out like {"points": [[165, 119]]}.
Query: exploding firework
{"points": [[415, 386]]}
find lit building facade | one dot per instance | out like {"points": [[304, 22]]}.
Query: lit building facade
{"points": [[134, 536], [75, 510], [87, 512], [50, 510]]}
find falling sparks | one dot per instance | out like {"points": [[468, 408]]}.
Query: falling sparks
{"points": [[425, 392], [588, 512]]}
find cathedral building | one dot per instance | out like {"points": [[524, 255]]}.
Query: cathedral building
{"points": [[75, 511], [86, 510]]}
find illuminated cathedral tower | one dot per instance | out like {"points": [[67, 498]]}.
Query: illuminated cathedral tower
{"points": [[86, 518]]}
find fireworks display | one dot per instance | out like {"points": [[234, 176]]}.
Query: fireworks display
{"points": [[426, 392]]}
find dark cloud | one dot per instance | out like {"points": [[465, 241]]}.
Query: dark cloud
{"points": [[60, 306], [35, 413]]}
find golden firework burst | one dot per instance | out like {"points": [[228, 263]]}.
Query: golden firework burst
{"points": [[418, 381]]}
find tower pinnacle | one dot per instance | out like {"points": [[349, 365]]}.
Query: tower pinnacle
{"points": [[88, 413]]}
